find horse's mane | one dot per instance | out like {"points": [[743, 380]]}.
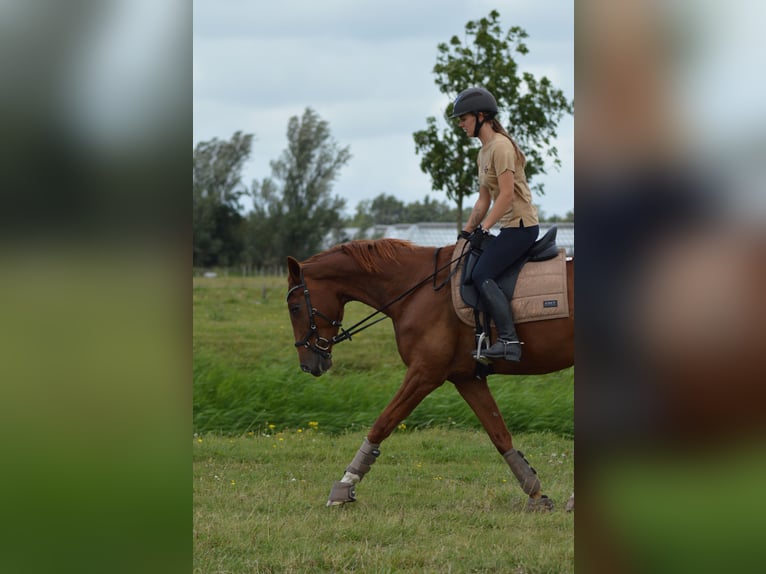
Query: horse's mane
{"points": [[367, 253]]}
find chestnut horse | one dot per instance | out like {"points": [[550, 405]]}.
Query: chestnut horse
{"points": [[400, 280]]}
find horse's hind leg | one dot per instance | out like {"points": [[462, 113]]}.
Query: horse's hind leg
{"points": [[414, 389], [478, 396]]}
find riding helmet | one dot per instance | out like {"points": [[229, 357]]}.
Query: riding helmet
{"points": [[474, 100]]}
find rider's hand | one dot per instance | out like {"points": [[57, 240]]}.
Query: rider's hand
{"points": [[477, 236]]}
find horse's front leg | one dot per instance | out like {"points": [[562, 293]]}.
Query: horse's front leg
{"points": [[416, 386], [478, 396]]}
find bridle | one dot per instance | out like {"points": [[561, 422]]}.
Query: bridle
{"points": [[321, 345]]}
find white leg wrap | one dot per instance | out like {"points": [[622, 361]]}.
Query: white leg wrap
{"points": [[351, 478]]}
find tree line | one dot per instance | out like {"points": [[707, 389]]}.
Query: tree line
{"points": [[294, 209]]}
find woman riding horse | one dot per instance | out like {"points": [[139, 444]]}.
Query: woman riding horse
{"points": [[503, 185]]}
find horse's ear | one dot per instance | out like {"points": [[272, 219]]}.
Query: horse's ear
{"points": [[294, 268]]}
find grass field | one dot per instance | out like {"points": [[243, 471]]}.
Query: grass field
{"points": [[246, 372], [270, 440], [437, 500]]}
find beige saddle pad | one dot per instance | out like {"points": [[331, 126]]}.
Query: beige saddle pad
{"points": [[540, 293]]}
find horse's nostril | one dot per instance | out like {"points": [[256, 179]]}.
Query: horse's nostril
{"points": [[305, 369]]}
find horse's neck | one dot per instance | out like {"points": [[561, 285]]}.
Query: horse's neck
{"points": [[378, 287]]}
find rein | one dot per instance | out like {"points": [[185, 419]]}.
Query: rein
{"points": [[322, 345]]}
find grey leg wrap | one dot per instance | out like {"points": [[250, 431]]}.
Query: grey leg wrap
{"points": [[364, 459], [341, 492], [526, 474]]}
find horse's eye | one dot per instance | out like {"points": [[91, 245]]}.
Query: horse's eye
{"points": [[295, 308]]}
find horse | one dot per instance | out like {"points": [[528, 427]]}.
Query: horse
{"points": [[433, 343]]}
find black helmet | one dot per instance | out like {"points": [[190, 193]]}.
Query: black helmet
{"points": [[474, 100]]}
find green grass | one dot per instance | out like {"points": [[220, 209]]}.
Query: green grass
{"points": [[246, 372], [437, 500]]}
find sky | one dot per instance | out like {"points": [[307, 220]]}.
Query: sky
{"points": [[366, 68]]}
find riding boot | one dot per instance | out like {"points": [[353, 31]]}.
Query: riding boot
{"points": [[507, 345]]}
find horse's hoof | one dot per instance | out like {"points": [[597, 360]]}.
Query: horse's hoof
{"points": [[542, 504], [570, 504], [341, 493]]}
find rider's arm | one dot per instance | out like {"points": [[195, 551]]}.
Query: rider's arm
{"points": [[479, 210]]}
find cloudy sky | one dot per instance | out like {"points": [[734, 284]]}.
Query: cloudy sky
{"points": [[365, 67]]}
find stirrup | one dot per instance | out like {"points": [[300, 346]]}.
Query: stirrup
{"points": [[482, 344]]}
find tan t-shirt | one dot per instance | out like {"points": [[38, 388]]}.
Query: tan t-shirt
{"points": [[495, 157]]}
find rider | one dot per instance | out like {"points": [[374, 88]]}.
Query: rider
{"points": [[503, 185]]}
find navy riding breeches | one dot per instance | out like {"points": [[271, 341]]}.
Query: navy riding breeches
{"points": [[506, 249]]}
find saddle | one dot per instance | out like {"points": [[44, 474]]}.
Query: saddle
{"points": [[536, 286]]}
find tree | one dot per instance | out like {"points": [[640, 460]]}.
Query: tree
{"points": [[532, 107], [429, 210], [217, 187], [555, 218], [387, 210], [362, 217], [294, 209]]}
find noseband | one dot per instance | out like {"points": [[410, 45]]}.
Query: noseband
{"points": [[320, 346]]}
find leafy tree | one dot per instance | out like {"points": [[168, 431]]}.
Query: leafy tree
{"points": [[294, 209], [569, 216], [429, 210], [217, 188], [362, 217], [383, 209], [386, 209], [531, 107]]}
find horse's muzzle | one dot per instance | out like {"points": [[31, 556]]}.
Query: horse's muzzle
{"points": [[317, 367]]}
